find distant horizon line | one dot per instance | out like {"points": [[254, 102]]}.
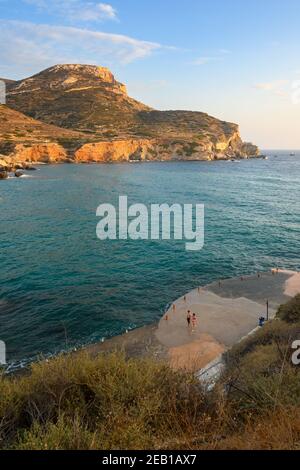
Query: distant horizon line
{"points": [[281, 149]]}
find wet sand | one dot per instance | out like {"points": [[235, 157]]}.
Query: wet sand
{"points": [[292, 285], [226, 311]]}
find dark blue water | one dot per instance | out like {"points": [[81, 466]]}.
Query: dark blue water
{"points": [[60, 286]]}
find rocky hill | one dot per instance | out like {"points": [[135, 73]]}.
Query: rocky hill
{"points": [[23, 139], [80, 97], [88, 113]]}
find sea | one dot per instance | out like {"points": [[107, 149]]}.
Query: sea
{"points": [[63, 288]]}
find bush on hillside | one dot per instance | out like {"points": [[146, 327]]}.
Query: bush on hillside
{"points": [[264, 379], [278, 332], [260, 374], [290, 312], [76, 402]]}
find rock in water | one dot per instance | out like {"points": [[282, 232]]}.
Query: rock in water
{"points": [[30, 168], [3, 175]]}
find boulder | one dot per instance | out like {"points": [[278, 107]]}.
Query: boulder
{"points": [[3, 175]]}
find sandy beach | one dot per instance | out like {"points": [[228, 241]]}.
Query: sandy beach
{"points": [[226, 311], [292, 283]]}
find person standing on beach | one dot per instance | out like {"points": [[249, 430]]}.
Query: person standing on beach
{"points": [[194, 321], [188, 318]]}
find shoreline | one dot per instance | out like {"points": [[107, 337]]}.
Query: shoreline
{"points": [[9, 167], [227, 311]]}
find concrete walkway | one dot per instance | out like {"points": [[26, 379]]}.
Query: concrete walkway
{"points": [[226, 311]]}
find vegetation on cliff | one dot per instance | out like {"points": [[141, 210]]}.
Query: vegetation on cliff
{"points": [[112, 402], [15, 127], [24, 139]]}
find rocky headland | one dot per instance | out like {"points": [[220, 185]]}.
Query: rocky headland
{"points": [[82, 114]]}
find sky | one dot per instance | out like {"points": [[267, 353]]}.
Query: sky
{"points": [[238, 60]]}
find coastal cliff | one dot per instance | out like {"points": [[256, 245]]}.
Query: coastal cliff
{"points": [[81, 113], [161, 150], [117, 151]]}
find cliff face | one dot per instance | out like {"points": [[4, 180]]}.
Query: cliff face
{"points": [[45, 153], [116, 151], [86, 112], [122, 150], [164, 150]]}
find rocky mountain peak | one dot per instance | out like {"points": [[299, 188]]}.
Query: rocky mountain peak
{"points": [[66, 77], [92, 71]]}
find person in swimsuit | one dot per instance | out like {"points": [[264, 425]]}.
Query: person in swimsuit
{"points": [[189, 318], [194, 321]]}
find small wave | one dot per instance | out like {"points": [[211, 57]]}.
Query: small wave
{"points": [[166, 308], [13, 177], [17, 365]]}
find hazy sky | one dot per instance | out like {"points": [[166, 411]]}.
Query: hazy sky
{"points": [[238, 60]]}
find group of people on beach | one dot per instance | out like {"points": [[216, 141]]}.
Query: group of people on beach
{"points": [[191, 319]]}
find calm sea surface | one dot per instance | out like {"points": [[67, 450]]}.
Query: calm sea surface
{"points": [[61, 287]]}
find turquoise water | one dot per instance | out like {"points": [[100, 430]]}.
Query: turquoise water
{"points": [[61, 287]]}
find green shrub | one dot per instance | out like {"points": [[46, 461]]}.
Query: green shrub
{"points": [[264, 379], [273, 332], [290, 312]]}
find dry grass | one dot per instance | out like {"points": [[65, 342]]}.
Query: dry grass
{"points": [[108, 402], [277, 430]]}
